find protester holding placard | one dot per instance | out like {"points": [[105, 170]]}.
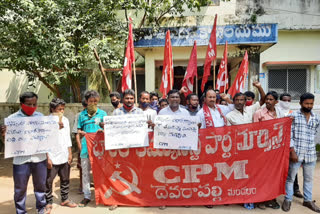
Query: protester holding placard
{"points": [[303, 151], [90, 120], [211, 114], [128, 104], [174, 105], [24, 166], [59, 160], [144, 102], [243, 114]]}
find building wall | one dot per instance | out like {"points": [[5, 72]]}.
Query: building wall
{"points": [[12, 85], [296, 46]]}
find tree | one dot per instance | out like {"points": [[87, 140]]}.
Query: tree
{"points": [[53, 40]]}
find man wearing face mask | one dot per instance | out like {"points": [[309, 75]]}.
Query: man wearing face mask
{"points": [[192, 104], [144, 101], [154, 101], [115, 99], [284, 104], [89, 121], [24, 166], [250, 98], [303, 151]]}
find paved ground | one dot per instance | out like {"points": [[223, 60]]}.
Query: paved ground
{"points": [[7, 205]]}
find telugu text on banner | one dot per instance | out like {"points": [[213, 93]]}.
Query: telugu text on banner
{"points": [[235, 164]]}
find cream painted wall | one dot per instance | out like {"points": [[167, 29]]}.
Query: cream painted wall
{"points": [[12, 85], [295, 46]]}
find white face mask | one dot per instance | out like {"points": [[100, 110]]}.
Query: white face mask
{"points": [[284, 105]]}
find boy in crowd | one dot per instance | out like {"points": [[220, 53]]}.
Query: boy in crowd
{"points": [[154, 100], [115, 99], [59, 160], [90, 120], [24, 166], [163, 103]]}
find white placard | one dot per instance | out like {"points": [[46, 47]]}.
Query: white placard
{"points": [[30, 135], [125, 131], [176, 132]]}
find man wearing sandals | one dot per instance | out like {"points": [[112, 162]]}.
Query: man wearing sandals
{"points": [[60, 158], [268, 113]]}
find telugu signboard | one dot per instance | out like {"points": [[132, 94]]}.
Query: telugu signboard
{"points": [[30, 135], [185, 36]]}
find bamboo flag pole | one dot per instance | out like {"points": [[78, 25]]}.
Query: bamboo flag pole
{"points": [[214, 74], [102, 69], [135, 83], [197, 84]]}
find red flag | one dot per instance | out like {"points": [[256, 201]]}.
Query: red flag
{"points": [[238, 84], [167, 70], [191, 71], [222, 78], [128, 60], [211, 54]]}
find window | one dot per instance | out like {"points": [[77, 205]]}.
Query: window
{"points": [[292, 80]]}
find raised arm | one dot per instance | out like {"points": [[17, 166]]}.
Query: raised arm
{"points": [[261, 91]]}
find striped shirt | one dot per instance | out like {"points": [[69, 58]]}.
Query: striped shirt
{"points": [[303, 133]]}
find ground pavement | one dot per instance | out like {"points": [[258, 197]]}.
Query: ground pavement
{"points": [[7, 205]]}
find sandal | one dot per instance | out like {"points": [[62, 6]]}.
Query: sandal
{"points": [[261, 205], [113, 207], [84, 202], [48, 209], [68, 203], [272, 204]]}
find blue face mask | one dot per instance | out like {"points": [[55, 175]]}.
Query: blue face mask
{"points": [[144, 104]]}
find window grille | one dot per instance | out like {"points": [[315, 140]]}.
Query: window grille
{"points": [[292, 80]]}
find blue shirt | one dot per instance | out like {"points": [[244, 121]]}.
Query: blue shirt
{"points": [[89, 125], [28, 158], [303, 133]]}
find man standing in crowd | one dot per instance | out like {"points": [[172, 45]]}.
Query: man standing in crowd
{"points": [[78, 135], [192, 104], [144, 101], [244, 114], [250, 98], [174, 105], [303, 151], [269, 112], [128, 104], [90, 120], [154, 99], [24, 166], [115, 99], [211, 114], [163, 103], [284, 104]]}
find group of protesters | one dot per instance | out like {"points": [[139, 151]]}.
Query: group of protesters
{"points": [[213, 109]]}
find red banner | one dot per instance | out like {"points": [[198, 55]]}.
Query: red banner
{"points": [[235, 164]]}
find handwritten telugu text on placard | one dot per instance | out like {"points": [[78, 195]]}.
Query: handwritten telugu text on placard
{"points": [[30, 135], [126, 131], [176, 132]]}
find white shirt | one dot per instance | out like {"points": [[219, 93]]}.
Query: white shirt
{"points": [[167, 111], [60, 153], [215, 114], [151, 115], [235, 117]]}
